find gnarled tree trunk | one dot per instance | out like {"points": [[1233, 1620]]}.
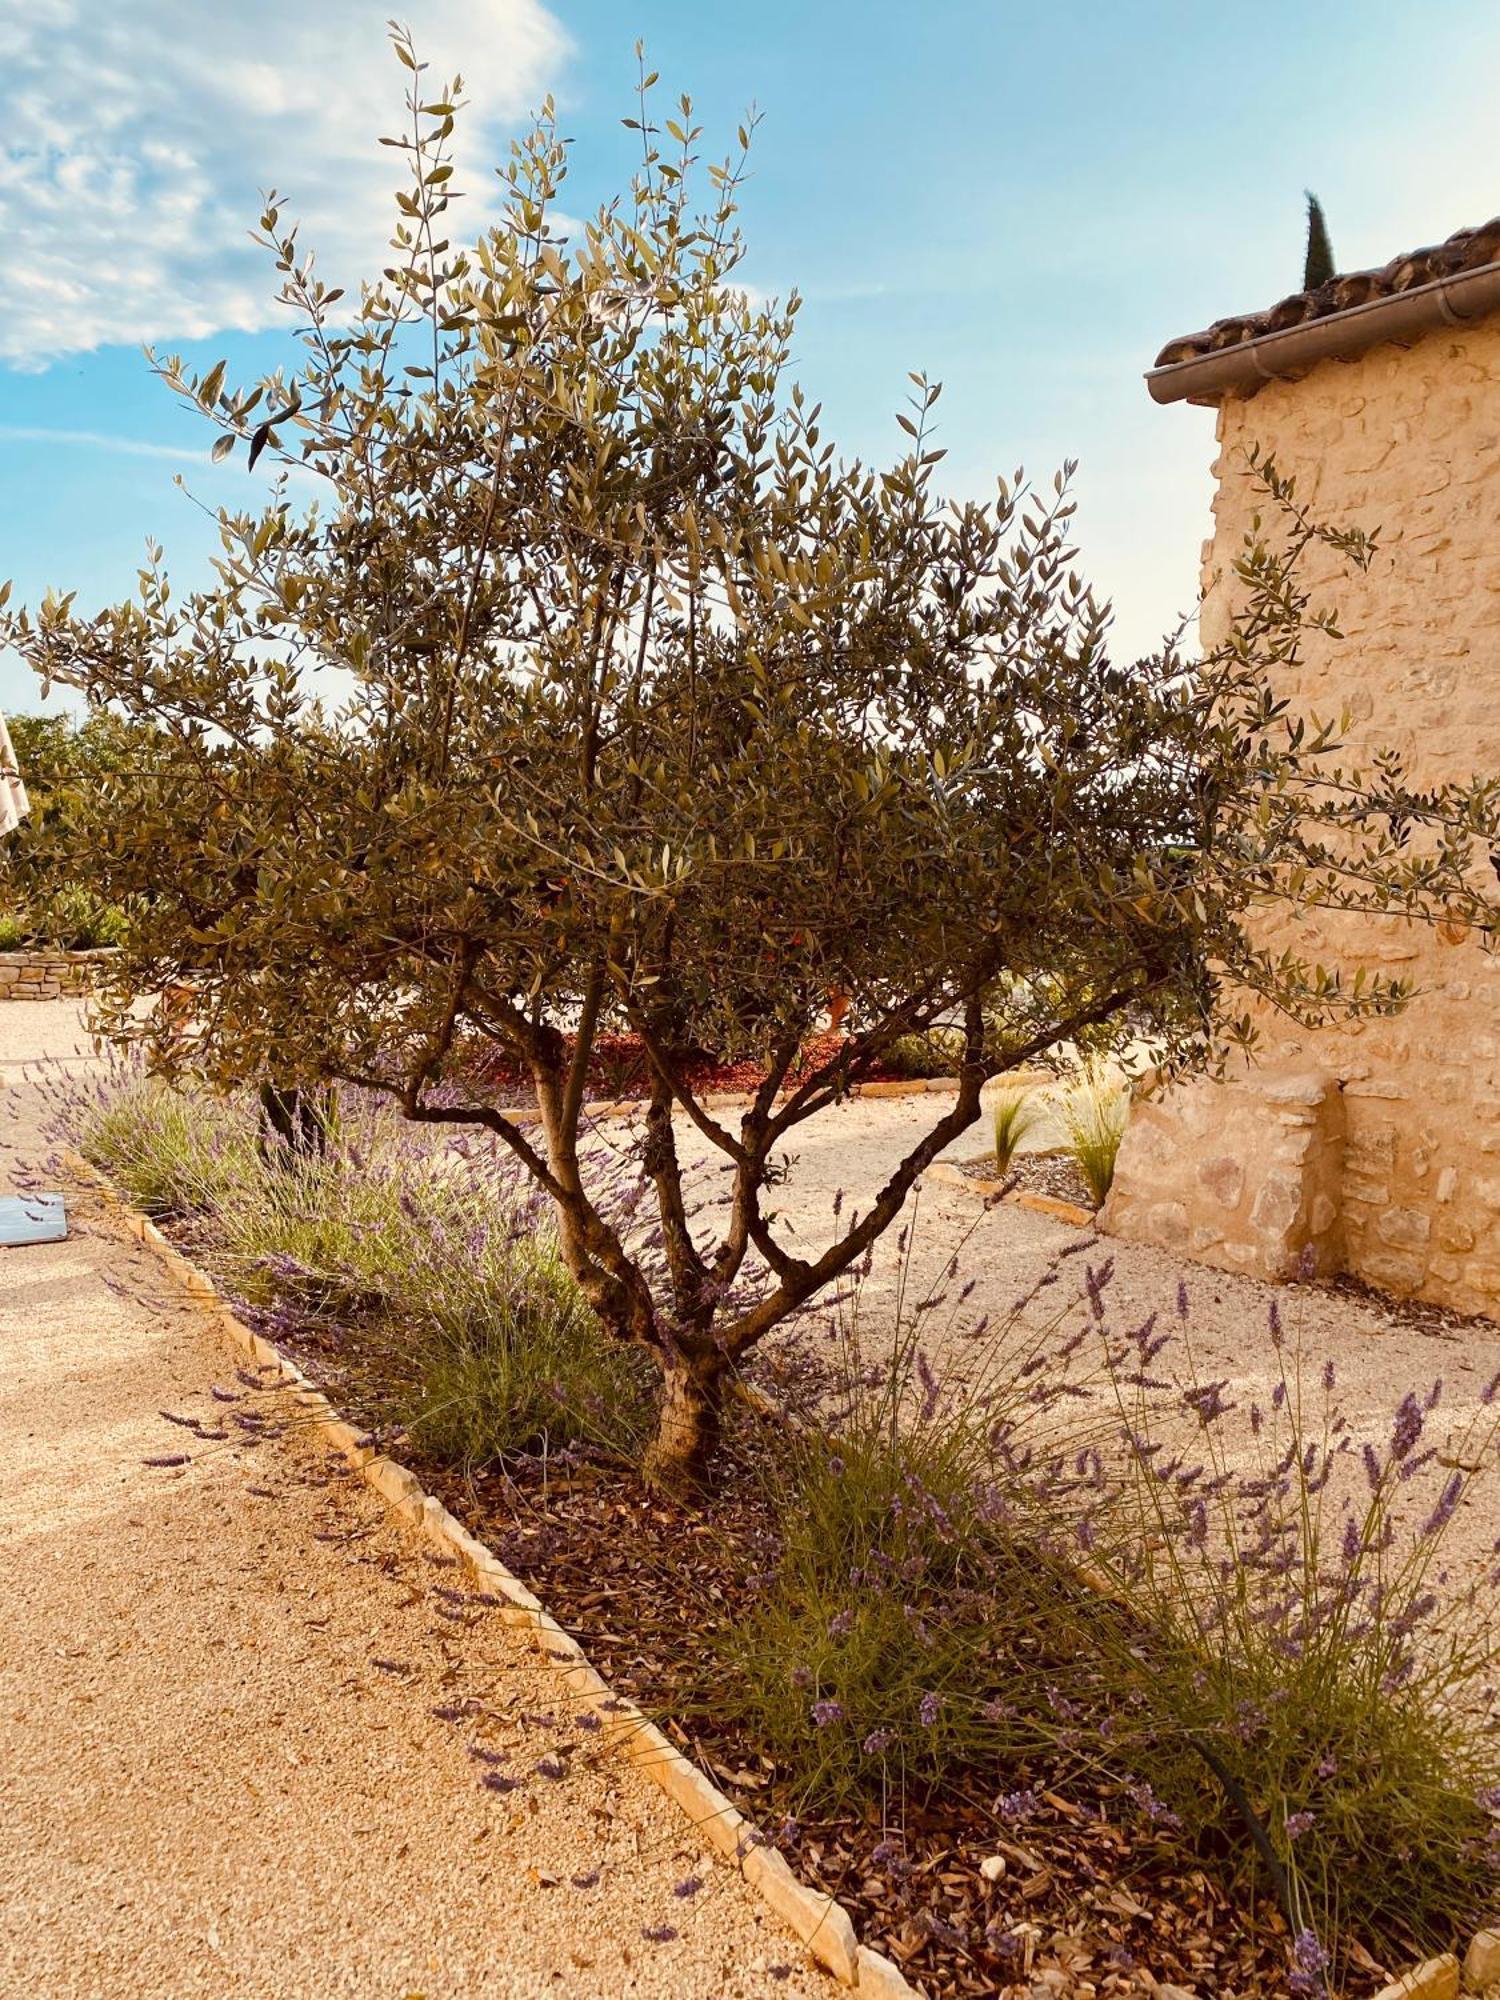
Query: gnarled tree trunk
{"points": [[690, 1422]]}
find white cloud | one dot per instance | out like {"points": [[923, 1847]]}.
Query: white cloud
{"points": [[138, 138], [121, 447]]}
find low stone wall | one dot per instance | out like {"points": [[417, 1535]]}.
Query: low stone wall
{"points": [[45, 974], [1249, 1177]]}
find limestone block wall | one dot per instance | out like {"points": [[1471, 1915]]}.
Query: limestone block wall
{"points": [[1246, 1176], [1403, 441], [43, 974]]}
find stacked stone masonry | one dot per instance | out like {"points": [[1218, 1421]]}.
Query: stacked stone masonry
{"points": [[1404, 441], [46, 975]]}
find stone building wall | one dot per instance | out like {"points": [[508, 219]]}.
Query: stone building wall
{"points": [[1404, 441]]}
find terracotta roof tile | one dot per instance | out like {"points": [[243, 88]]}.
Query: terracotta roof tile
{"points": [[1465, 250]]}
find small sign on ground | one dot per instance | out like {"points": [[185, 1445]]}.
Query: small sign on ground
{"points": [[32, 1218]]}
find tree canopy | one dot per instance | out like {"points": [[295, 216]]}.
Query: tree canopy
{"points": [[595, 690]]}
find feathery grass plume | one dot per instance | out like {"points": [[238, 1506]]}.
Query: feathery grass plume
{"points": [[1095, 1116], [1016, 1112]]}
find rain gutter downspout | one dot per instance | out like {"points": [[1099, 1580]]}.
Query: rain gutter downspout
{"points": [[1275, 357]]}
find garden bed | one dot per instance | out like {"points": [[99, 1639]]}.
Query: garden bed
{"points": [[1095, 1894], [1054, 1175], [620, 1071], [1040, 1861]]}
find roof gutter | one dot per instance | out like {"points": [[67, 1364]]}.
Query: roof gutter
{"points": [[1278, 357]]}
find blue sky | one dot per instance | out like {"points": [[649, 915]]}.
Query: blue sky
{"points": [[1025, 201]]}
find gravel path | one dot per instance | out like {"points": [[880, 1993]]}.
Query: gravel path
{"points": [[220, 1770]]}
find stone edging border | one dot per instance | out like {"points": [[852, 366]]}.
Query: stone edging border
{"points": [[947, 1175], [822, 1924]]}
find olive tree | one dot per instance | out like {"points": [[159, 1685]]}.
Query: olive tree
{"points": [[569, 680]]}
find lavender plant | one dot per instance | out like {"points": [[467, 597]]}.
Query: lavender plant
{"points": [[911, 1624], [428, 1273], [173, 1154], [1310, 1676]]}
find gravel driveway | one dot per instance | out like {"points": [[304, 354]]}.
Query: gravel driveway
{"points": [[221, 1773]]}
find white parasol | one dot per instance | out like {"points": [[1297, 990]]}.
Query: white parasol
{"points": [[13, 800]]}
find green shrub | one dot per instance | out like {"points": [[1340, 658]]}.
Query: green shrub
{"points": [[937, 1052], [13, 932], [77, 920], [1094, 1117]]}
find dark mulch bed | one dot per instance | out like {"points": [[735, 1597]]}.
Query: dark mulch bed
{"points": [[1053, 1174], [619, 1069], [1417, 1315]]}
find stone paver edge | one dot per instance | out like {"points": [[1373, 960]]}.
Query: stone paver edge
{"points": [[823, 1924], [1040, 1204]]}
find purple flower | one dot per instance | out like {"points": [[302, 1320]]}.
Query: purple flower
{"points": [[1298, 1823], [840, 1625], [1014, 1807], [688, 1886], [1407, 1427], [1448, 1501], [658, 1933], [1308, 1954], [586, 1881], [929, 1709], [826, 1712], [877, 1741]]}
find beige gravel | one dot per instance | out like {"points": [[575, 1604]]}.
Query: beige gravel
{"points": [[1378, 1355], [208, 1784]]}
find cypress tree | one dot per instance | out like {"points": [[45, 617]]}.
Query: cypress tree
{"points": [[1319, 267]]}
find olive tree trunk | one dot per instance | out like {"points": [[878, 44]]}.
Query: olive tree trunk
{"points": [[690, 1422]]}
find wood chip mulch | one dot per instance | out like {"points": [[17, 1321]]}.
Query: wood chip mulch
{"points": [[1092, 1899]]}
